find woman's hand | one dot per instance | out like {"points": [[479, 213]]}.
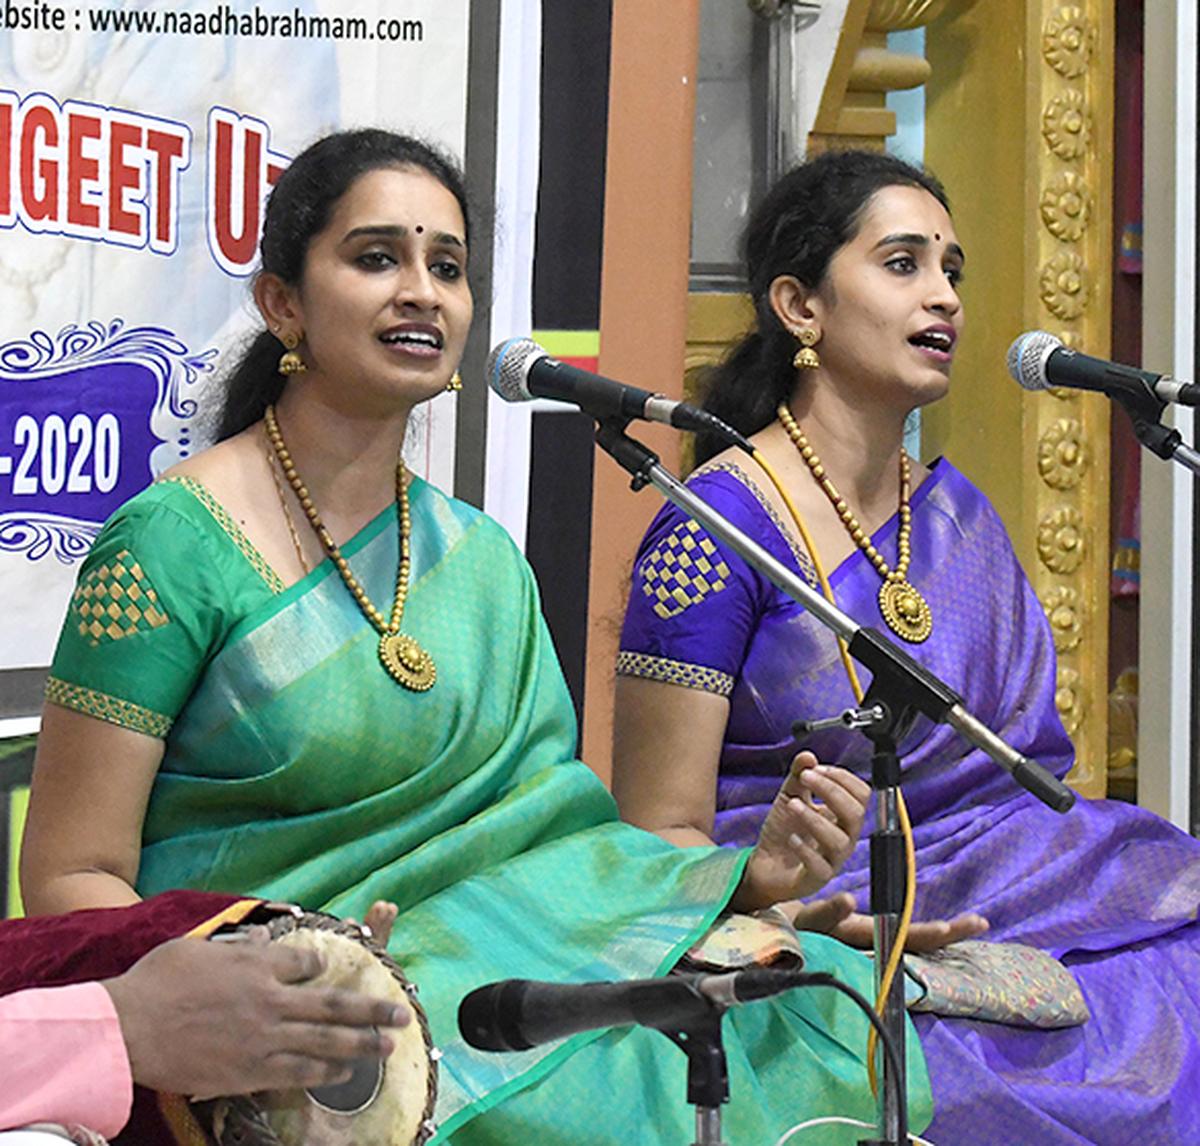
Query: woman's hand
{"points": [[858, 930], [836, 915], [809, 832]]}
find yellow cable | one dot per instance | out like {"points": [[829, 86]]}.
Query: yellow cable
{"points": [[910, 855]]}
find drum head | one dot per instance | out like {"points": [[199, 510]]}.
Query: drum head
{"points": [[389, 1103]]}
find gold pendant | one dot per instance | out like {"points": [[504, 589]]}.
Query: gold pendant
{"points": [[906, 612], [406, 662]]}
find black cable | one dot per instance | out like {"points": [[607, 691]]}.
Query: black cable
{"points": [[824, 979]]}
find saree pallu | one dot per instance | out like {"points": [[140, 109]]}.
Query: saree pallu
{"points": [[296, 769], [1108, 888]]}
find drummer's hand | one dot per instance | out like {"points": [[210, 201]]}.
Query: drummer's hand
{"points": [[859, 931], [810, 831], [207, 1019]]}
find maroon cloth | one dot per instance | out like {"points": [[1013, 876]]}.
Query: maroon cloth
{"points": [[52, 951]]}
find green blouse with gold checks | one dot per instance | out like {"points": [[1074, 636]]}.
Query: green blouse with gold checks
{"points": [[295, 768], [173, 542]]}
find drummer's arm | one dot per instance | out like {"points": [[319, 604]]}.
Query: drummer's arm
{"points": [[666, 750], [83, 834]]}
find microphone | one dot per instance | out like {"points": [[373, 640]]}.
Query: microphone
{"points": [[1037, 360], [519, 370], [516, 1014]]}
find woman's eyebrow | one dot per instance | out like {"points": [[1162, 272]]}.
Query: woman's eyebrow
{"points": [[397, 231], [906, 238], [916, 239]]}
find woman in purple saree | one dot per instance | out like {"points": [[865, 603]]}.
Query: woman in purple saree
{"points": [[716, 664]]}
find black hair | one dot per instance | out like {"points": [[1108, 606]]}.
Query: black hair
{"points": [[802, 222], [298, 209]]}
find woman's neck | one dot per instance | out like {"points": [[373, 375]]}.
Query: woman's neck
{"points": [[347, 460], [859, 447]]}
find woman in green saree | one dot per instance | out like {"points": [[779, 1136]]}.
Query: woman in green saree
{"points": [[234, 706]]}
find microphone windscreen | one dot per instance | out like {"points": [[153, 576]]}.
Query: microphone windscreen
{"points": [[1027, 358], [508, 368], [488, 1018]]}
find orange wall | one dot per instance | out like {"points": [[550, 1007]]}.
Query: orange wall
{"points": [[643, 299]]}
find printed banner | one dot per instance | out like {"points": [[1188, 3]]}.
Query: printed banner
{"points": [[137, 146]]}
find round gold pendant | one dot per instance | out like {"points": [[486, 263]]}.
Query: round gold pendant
{"points": [[406, 662], [906, 612]]}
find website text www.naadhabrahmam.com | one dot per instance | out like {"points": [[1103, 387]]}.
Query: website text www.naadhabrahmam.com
{"points": [[219, 20]]}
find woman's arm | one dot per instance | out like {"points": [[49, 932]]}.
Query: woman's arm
{"points": [[83, 835], [666, 750]]}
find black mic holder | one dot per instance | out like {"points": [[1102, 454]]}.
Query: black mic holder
{"points": [[1145, 410], [900, 688]]}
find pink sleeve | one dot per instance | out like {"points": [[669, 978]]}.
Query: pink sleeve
{"points": [[62, 1059]]}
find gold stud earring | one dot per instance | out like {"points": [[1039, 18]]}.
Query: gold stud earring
{"points": [[455, 383], [290, 362], [806, 358]]}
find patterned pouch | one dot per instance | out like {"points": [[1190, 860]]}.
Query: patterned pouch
{"points": [[1000, 982], [765, 939]]}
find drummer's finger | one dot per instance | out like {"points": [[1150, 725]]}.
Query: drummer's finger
{"points": [[293, 964], [345, 1008], [294, 1071], [335, 1043], [379, 919]]}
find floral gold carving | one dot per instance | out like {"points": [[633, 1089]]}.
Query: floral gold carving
{"points": [[1068, 699], [1061, 605], [1067, 124], [1063, 454], [1067, 206], [1060, 540], [1068, 42], [1064, 285]]}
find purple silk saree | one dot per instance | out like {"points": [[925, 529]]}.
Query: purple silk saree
{"points": [[1109, 889]]}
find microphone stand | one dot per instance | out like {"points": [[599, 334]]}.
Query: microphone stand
{"points": [[1145, 411], [900, 688], [707, 1074]]}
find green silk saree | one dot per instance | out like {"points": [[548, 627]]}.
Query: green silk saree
{"points": [[295, 768]]}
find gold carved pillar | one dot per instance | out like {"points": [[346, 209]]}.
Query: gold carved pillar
{"points": [[853, 111], [1019, 127]]}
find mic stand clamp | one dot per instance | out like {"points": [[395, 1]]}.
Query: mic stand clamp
{"points": [[1145, 412], [629, 453], [708, 1074]]}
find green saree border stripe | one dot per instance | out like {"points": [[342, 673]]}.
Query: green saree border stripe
{"points": [[419, 489], [547, 1063], [103, 706], [234, 531]]}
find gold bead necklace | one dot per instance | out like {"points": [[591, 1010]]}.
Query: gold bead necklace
{"points": [[273, 466], [906, 612], [405, 660]]}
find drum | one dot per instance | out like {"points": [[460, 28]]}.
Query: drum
{"points": [[388, 1103]]}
